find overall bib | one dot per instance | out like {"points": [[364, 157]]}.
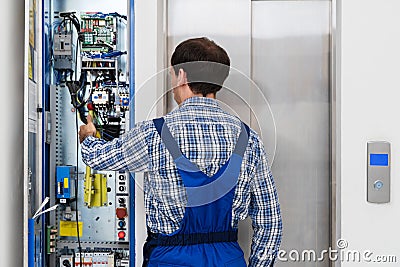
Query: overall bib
{"points": [[205, 237]]}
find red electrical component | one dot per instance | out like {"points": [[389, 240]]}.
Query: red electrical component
{"points": [[121, 235], [121, 213], [90, 106]]}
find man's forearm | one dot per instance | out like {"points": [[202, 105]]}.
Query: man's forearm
{"points": [[101, 155]]}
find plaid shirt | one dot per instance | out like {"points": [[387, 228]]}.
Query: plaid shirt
{"points": [[207, 136]]}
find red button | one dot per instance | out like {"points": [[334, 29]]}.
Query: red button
{"points": [[121, 235], [121, 213]]}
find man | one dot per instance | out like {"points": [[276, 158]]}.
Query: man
{"points": [[207, 170]]}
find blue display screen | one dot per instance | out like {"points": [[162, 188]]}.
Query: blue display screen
{"points": [[379, 159]]}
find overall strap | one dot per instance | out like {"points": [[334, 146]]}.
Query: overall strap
{"points": [[167, 138], [242, 141]]}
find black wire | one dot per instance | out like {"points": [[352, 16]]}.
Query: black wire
{"points": [[76, 188], [76, 58], [107, 135]]}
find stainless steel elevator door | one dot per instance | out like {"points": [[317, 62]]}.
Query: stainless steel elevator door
{"points": [[290, 63], [284, 47]]}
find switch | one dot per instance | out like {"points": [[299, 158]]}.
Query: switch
{"points": [[121, 235], [121, 213], [121, 224], [378, 185]]}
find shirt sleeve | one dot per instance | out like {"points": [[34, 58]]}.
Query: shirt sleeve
{"points": [[265, 213], [129, 152]]}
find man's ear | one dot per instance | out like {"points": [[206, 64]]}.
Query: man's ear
{"points": [[182, 77]]}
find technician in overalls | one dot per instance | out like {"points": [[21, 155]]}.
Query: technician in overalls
{"points": [[206, 171]]}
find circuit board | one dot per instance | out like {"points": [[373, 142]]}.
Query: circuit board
{"points": [[99, 31]]}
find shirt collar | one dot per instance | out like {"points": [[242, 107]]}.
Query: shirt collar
{"points": [[200, 101]]}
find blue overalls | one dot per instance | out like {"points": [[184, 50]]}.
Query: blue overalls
{"points": [[205, 237]]}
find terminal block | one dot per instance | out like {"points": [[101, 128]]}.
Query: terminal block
{"points": [[51, 237]]}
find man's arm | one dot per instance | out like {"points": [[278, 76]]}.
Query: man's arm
{"points": [[126, 153], [266, 216]]}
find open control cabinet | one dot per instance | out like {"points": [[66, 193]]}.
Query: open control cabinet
{"points": [[87, 70]]}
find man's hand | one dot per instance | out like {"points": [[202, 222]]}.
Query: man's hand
{"points": [[87, 130]]}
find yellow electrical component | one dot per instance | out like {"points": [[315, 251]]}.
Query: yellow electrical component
{"points": [[68, 228], [95, 185], [98, 135], [95, 191], [91, 113]]}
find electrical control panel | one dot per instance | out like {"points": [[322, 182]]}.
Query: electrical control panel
{"points": [[89, 76]]}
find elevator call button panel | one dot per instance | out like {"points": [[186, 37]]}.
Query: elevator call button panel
{"points": [[378, 172]]}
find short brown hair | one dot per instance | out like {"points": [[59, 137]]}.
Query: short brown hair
{"points": [[210, 65]]}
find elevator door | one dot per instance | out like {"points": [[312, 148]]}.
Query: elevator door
{"points": [[284, 47]]}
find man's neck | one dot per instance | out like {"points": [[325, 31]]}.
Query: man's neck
{"points": [[210, 95]]}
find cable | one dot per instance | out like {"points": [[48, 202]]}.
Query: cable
{"points": [[77, 156], [77, 89], [76, 188], [76, 57], [106, 134]]}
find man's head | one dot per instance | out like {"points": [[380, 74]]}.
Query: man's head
{"points": [[199, 68]]}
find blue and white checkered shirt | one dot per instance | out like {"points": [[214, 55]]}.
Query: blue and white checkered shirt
{"points": [[207, 136]]}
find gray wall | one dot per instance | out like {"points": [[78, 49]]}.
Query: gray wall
{"points": [[12, 136]]}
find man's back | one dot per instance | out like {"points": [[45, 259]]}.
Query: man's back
{"points": [[206, 135], [198, 133]]}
